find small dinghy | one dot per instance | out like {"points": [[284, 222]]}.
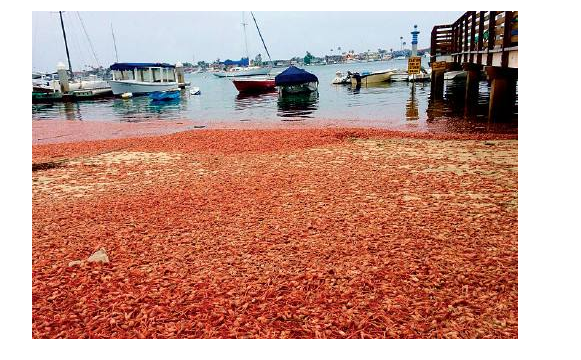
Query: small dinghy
{"points": [[165, 95], [195, 91]]}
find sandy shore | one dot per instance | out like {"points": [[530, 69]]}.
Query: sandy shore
{"points": [[337, 233]]}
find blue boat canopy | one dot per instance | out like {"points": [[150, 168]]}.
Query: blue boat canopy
{"points": [[294, 76], [131, 66], [242, 62]]}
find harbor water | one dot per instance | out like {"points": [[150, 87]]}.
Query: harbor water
{"points": [[398, 105]]}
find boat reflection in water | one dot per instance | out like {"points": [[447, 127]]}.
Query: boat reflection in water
{"points": [[142, 108], [244, 102], [356, 89], [300, 106], [72, 111]]}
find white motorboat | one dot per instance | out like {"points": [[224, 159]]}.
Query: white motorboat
{"points": [[142, 78], [366, 78], [400, 58], [400, 75], [244, 71], [341, 79], [49, 83], [424, 75]]}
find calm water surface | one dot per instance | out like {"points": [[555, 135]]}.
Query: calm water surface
{"points": [[390, 105]]}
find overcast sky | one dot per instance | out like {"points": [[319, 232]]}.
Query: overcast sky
{"points": [[184, 36]]}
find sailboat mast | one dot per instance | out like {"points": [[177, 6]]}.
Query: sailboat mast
{"points": [[257, 28], [114, 44], [245, 38], [66, 44]]}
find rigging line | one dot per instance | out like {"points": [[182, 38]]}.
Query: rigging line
{"points": [[83, 47], [265, 48], [84, 52], [88, 39], [75, 46]]}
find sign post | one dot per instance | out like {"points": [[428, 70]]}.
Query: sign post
{"points": [[414, 66], [438, 65]]}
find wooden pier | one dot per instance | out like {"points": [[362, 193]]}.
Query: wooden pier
{"points": [[479, 40]]}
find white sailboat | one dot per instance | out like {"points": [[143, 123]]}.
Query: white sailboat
{"points": [[50, 83], [245, 70]]}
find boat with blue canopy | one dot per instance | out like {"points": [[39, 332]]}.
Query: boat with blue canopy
{"points": [[294, 80], [142, 78]]}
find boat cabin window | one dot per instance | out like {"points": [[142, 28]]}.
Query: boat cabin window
{"points": [[153, 74], [123, 75], [156, 74]]}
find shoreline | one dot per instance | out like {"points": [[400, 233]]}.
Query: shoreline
{"points": [[67, 131]]}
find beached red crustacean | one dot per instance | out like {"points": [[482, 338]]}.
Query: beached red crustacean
{"points": [[310, 233]]}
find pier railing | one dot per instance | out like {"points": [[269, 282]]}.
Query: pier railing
{"points": [[486, 38]]}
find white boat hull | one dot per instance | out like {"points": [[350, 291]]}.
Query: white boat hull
{"points": [[247, 72], [137, 87], [400, 76]]}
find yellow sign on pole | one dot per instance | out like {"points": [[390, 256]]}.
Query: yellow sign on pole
{"points": [[438, 65], [414, 65]]}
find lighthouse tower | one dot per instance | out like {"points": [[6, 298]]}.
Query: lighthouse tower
{"points": [[415, 41]]}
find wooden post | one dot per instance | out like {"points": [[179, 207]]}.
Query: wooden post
{"points": [[63, 77], [180, 73], [491, 36], [502, 91], [437, 87], [472, 34], [466, 45], [472, 84], [480, 38], [506, 37]]}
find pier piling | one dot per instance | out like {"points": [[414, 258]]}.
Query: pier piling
{"points": [[63, 77], [472, 84], [437, 87], [502, 91], [180, 73]]}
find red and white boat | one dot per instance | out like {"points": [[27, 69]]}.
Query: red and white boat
{"points": [[254, 84]]}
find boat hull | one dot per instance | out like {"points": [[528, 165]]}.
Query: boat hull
{"points": [[164, 95], [298, 88], [341, 80], [242, 73], [254, 85], [400, 76], [371, 79], [135, 87]]}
